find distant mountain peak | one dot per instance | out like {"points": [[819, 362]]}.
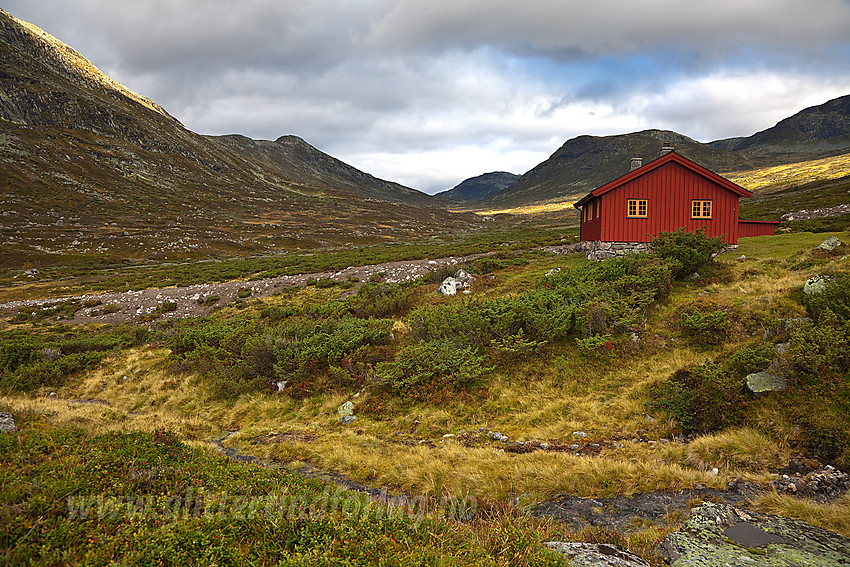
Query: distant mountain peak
{"points": [[480, 186]]}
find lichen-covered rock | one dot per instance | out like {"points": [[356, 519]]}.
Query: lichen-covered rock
{"points": [[718, 534], [759, 383], [593, 555], [7, 422], [347, 419], [830, 244], [816, 284], [345, 409]]}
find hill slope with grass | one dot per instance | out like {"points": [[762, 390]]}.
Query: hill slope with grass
{"points": [[89, 168], [601, 379]]}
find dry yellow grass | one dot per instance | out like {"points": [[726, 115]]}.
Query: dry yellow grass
{"points": [[526, 210], [737, 450], [833, 516], [771, 178], [142, 395]]}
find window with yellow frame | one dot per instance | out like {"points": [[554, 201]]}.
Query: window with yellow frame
{"points": [[701, 209], [636, 208]]}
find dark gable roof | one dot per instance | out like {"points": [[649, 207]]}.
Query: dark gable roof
{"points": [[663, 160]]}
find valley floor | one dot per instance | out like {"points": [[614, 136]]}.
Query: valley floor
{"points": [[577, 420]]}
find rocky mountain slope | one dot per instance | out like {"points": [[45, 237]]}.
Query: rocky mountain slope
{"points": [[89, 168], [480, 187], [815, 132]]}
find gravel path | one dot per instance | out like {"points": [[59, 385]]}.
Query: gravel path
{"points": [[133, 306]]}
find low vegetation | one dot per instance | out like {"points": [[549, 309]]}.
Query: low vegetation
{"points": [[582, 362]]}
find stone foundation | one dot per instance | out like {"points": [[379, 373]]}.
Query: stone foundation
{"points": [[598, 250]]}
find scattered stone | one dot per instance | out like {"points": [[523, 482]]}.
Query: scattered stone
{"points": [[830, 244], [692, 277], [817, 213], [741, 257], [464, 276], [579, 434], [816, 284], [823, 485], [648, 418], [347, 419], [719, 534], [760, 383], [448, 435], [574, 447], [544, 446], [7, 422], [345, 409], [51, 395], [596, 554]]}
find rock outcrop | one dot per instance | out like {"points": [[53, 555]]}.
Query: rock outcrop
{"points": [[7, 422], [816, 284], [830, 244], [459, 281], [596, 555], [759, 383], [717, 534]]}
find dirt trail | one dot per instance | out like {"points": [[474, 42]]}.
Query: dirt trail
{"points": [[133, 306]]}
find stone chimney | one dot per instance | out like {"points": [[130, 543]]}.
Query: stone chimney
{"points": [[666, 149], [636, 163]]}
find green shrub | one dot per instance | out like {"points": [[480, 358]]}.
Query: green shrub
{"points": [[167, 306], [705, 327], [707, 397], [835, 298], [822, 347], [703, 398], [689, 250], [424, 362], [242, 354], [828, 443], [29, 360], [381, 300]]}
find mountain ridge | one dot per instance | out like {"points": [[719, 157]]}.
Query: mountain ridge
{"points": [[92, 171], [480, 186]]}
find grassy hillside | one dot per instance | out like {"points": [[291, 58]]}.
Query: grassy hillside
{"points": [[618, 377]]}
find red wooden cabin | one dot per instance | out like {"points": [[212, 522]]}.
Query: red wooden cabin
{"points": [[668, 193]]}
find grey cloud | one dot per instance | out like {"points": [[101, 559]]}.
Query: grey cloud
{"points": [[372, 78]]}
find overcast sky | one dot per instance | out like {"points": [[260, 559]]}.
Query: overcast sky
{"points": [[430, 92]]}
